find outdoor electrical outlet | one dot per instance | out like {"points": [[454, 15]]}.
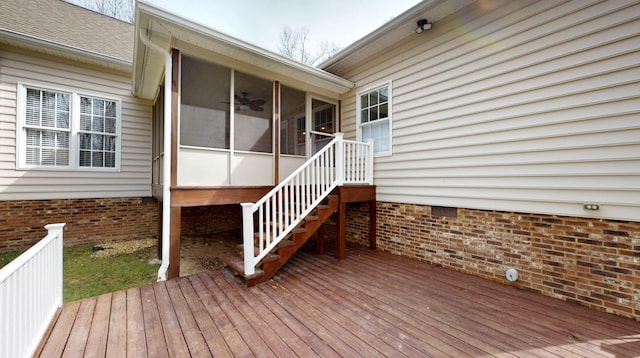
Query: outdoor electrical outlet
{"points": [[592, 207]]}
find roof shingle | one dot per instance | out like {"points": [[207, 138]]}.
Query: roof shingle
{"points": [[69, 25]]}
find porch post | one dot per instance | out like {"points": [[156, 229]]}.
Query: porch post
{"points": [[247, 238], [372, 224], [341, 231], [339, 158], [276, 132], [370, 161], [174, 251]]}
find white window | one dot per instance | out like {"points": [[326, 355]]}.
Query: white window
{"points": [[60, 129], [374, 117]]}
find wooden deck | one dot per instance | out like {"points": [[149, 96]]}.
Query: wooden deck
{"points": [[371, 304]]}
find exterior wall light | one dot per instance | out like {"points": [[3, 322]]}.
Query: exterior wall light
{"points": [[423, 25]]}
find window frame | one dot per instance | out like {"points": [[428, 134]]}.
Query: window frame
{"points": [[74, 129], [360, 125]]}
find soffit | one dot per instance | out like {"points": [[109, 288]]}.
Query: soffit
{"points": [[391, 33], [167, 30]]}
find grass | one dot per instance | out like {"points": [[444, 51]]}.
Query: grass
{"points": [[86, 276], [7, 257]]}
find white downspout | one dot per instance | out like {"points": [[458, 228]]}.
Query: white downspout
{"points": [[166, 159]]}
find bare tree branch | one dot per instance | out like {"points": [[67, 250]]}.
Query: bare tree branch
{"points": [[120, 9], [294, 44]]}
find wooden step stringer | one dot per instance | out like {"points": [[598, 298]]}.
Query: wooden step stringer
{"points": [[288, 247]]}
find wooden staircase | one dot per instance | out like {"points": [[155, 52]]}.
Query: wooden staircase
{"points": [[272, 262]]}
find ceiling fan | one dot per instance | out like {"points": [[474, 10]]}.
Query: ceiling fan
{"points": [[244, 102]]}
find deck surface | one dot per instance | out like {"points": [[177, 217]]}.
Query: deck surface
{"points": [[371, 304]]}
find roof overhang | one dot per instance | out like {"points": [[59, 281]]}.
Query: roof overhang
{"points": [[169, 31], [50, 48], [391, 33]]}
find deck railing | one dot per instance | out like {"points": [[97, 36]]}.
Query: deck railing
{"points": [[30, 295], [285, 206]]}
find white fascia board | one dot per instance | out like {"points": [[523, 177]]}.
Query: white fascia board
{"points": [[189, 30]]}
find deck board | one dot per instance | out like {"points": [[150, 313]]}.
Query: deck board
{"points": [[136, 342], [154, 333], [97, 340], [117, 337], [371, 304]]}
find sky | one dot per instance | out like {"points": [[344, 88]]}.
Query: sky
{"points": [[260, 22]]}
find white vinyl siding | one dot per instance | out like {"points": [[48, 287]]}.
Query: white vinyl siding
{"points": [[528, 107], [134, 177]]}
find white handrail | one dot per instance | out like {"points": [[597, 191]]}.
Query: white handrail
{"points": [[323, 133], [286, 205], [30, 294]]}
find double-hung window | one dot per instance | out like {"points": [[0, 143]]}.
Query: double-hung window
{"points": [[374, 117], [60, 129]]}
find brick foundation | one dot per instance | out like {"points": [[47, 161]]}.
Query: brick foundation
{"points": [[88, 220], [212, 221], [593, 262]]}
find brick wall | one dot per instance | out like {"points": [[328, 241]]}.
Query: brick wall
{"points": [[207, 221], [593, 262], [88, 220]]}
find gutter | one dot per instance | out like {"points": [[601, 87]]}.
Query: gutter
{"points": [[166, 159]]}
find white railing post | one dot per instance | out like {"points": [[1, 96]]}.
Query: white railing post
{"points": [[340, 169], [58, 231], [247, 238], [369, 161]]}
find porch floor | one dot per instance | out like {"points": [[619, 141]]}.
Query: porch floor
{"points": [[371, 304]]}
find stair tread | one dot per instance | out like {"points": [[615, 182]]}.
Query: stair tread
{"points": [[236, 263], [298, 230], [269, 257], [285, 243]]}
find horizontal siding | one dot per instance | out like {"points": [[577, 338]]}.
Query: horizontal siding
{"points": [[529, 106], [134, 177]]}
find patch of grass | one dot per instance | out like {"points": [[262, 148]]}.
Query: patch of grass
{"points": [[86, 276], [7, 257]]}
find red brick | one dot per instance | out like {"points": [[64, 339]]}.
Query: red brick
{"points": [[589, 261]]}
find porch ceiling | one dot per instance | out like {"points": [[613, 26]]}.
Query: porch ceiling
{"points": [[169, 30]]}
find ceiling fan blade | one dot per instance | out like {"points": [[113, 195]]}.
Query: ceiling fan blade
{"points": [[241, 100], [258, 102]]}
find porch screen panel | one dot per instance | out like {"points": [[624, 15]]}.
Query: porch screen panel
{"points": [[205, 105], [253, 105], [292, 121]]}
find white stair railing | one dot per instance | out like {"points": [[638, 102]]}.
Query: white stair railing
{"points": [[30, 295], [286, 205]]}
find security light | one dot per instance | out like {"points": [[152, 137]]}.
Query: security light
{"points": [[423, 25]]}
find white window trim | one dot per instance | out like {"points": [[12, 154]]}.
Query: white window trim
{"points": [[74, 129], [389, 84]]}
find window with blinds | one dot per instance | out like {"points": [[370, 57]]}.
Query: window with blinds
{"points": [[60, 129], [47, 119]]}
